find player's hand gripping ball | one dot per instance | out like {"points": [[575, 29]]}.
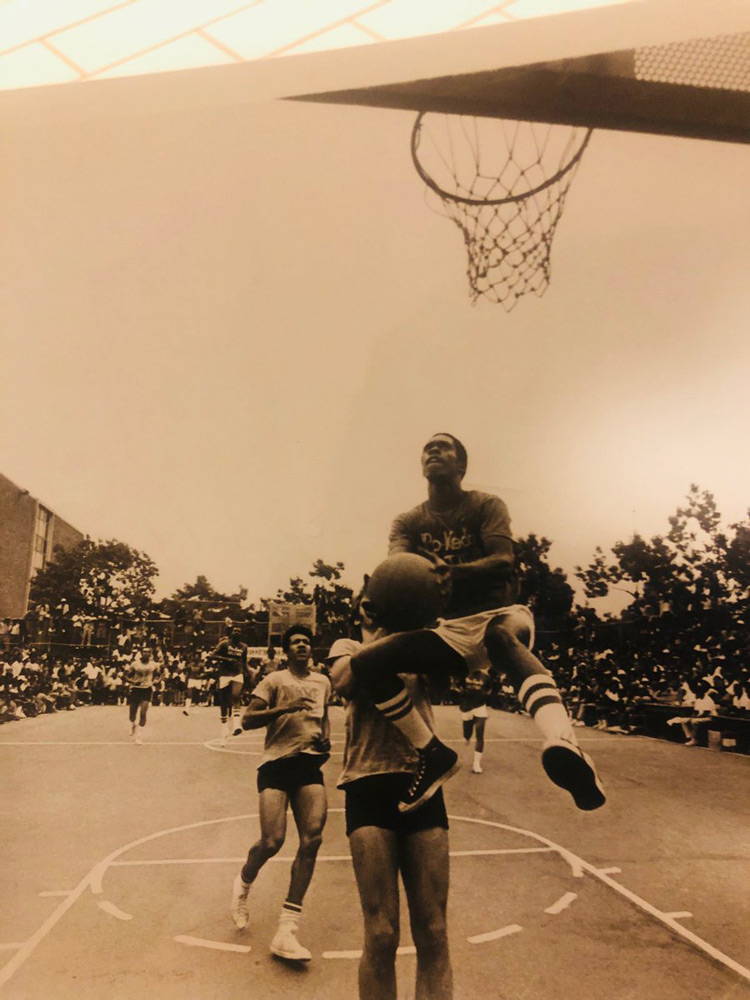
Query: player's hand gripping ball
{"points": [[404, 593]]}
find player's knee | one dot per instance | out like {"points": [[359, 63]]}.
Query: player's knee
{"points": [[431, 934], [270, 844], [502, 640], [381, 936], [309, 843]]}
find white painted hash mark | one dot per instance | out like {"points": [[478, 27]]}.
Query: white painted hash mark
{"points": [[501, 932], [195, 942], [563, 903]]}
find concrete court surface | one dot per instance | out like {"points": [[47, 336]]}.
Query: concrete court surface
{"points": [[118, 861]]}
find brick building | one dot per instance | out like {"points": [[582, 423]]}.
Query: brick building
{"points": [[29, 532]]}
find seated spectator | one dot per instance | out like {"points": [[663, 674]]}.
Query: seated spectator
{"points": [[704, 710]]}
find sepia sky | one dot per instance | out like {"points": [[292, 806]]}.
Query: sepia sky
{"points": [[227, 332]]}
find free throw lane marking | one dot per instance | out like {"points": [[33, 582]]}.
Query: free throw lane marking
{"points": [[563, 903], [195, 942], [501, 932], [114, 911]]}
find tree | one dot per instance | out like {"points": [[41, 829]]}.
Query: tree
{"points": [[104, 580], [333, 600], [694, 572], [202, 590], [545, 590]]}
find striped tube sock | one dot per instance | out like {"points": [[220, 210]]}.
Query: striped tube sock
{"points": [[539, 696], [290, 914], [400, 711]]}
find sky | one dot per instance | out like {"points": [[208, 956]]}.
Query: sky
{"points": [[229, 330]]}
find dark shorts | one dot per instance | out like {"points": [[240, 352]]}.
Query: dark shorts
{"points": [[291, 773], [137, 695], [373, 801]]}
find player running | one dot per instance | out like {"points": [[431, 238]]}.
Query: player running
{"points": [[230, 662], [467, 535], [292, 704], [472, 704], [140, 681]]}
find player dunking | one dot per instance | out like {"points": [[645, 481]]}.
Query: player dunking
{"points": [[230, 659], [292, 704], [140, 680], [467, 535]]}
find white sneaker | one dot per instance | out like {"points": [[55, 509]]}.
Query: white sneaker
{"points": [[286, 945], [476, 768], [137, 739], [239, 909]]}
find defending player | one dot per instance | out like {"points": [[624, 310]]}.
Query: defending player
{"points": [[379, 764], [292, 704], [230, 660], [467, 535], [140, 680]]}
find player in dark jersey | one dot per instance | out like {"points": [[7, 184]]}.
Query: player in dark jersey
{"points": [[467, 535], [472, 704], [229, 659]]}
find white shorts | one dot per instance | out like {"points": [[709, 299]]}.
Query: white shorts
{"points": [[466, 635], [480, 712], [226, 681]]}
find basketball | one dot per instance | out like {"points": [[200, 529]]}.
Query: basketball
{"points": [[404, 593]]}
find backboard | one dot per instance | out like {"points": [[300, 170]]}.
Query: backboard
{"points": [[675, 68]]}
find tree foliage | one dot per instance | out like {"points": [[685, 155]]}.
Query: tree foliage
{"points": [[544, 589], [105, 580], [694, 568]]}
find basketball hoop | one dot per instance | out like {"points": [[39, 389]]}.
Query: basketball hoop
{"points": [[504, 184]]}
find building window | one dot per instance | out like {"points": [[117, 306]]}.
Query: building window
{"points": [[41, 537]]}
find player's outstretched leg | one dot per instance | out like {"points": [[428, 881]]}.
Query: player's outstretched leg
{"points": [[506, 640]]}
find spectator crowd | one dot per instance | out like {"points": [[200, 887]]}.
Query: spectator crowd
{"points": [[610, 676]]}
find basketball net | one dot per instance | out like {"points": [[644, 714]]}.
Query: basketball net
{"points": [[504, 184]]}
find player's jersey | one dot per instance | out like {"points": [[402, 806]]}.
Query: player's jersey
{"points": [[373, 744], [229, 658], [474, 691], [459, 536], [141, 675], [296, 732]]}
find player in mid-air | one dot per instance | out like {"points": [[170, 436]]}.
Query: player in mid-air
{"points": [[467, 535], [230, 661], [292, 705], [139, 679]]}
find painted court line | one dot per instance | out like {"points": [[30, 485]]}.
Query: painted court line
{"points": [[93, 881], [55, 892], [286, 858], [407, 949], [113, 910], [501, 932], [562, 903], [679, 915], [11, 946], [632, 897], [195, 942]]}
